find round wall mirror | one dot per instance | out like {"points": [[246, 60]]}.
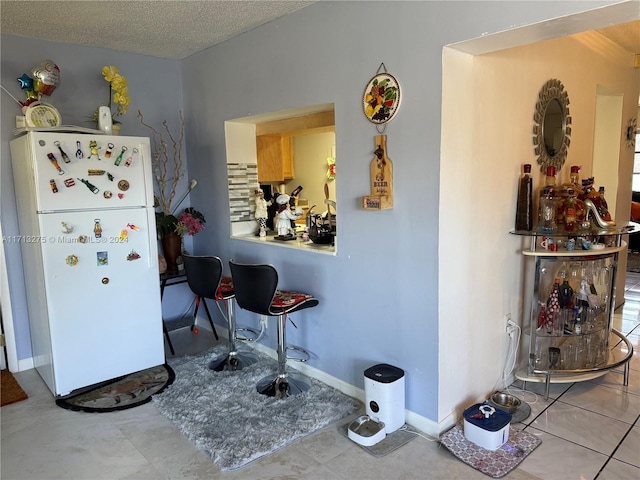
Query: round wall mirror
{"points": [[551, 130]]}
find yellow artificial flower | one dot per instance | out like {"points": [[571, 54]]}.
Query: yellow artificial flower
{"points": [[118, 91], [120, 96], [119, 82], [110, 72]]}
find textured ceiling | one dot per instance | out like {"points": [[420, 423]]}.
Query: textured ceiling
{"points": [[172, 29], [168, 29], [627, 35]]}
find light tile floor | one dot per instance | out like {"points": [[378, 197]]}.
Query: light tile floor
{"points": [[590, 430]]}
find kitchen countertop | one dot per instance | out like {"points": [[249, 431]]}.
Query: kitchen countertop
{"points": [[296, 244]]}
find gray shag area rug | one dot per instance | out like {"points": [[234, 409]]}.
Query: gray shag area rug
{"points": [[224, 415]]}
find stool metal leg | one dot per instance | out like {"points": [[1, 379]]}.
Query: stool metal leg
{"points": [[284, 384], [234, 360]]}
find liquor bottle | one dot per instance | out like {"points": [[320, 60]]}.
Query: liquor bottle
{"points": [[553, 306], [570, 211], [565, 294], [588, 192], [524, 205], [561, 210], [601, 214], [603, 208], [582, 302], [548, 203]]}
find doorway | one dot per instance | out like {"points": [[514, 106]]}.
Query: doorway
{"points": [[606, 158]]}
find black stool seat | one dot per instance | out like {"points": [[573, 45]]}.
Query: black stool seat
{"points": [[256, 290], [204, 275]]}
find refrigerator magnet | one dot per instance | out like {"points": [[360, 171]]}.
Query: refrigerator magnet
{"points": [[133, 227], [93, 148], [79, 154], [105, 280], [66, 228], [123, 185], [110, 177], [129, 159], [97, 228], [133, 255], [93, 172], [90, 185], [121, 196], [69, 182], [107, 194], [65, 157], [71, 260], [109, 150], [54, 161], [83, 239], [119, 157], [102, 258], [123, 234], [54, 187]]}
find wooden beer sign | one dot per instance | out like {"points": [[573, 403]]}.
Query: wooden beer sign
{"points": [[381, 197]]}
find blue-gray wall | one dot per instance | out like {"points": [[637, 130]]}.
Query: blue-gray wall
{"points": [[379, 294], [155, 87]]}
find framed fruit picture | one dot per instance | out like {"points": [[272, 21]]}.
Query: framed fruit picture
{"points": [[381, 98]]}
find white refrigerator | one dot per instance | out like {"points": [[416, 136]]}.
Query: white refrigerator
{"points": [[89, 252]]}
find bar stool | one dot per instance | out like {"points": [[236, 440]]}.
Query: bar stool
{"points": [[256, 289], [204, 275]]}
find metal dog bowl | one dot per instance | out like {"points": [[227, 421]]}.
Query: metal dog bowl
{"points": [[506, 402], [365, 431]]}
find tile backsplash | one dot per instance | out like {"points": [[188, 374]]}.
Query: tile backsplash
{"points": [[243, 179]]}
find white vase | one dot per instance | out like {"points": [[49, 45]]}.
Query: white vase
{"points": [[104, 120]]}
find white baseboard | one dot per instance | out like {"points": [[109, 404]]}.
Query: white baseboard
{"points": [[428, 427], [25, 364], [423, 424]]}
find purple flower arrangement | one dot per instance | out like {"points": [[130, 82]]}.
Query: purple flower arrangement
{"points": [[190, 222]]}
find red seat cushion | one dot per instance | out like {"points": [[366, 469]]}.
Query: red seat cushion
{"points": [[225, 290], [288, 301]]}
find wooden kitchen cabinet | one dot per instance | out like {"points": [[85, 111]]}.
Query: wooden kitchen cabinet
{"points": [[275, 158]]}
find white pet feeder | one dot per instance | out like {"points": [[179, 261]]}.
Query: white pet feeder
{"points": [[384, 399]]}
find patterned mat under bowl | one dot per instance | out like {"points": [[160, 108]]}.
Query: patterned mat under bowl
{"points": [[495, 463], [119, 394]]}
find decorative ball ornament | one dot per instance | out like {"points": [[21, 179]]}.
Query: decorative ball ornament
{"points": [[46, 77]]}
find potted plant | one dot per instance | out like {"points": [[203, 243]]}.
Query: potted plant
{"points": [[118, 95], [168, 170]]}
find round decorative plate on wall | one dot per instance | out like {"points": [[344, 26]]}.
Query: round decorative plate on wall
{"points": [[381, 98], [42, 115]]}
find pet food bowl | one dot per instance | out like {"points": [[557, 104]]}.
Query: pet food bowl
{"points": [[365, 431], [506, 402]]}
